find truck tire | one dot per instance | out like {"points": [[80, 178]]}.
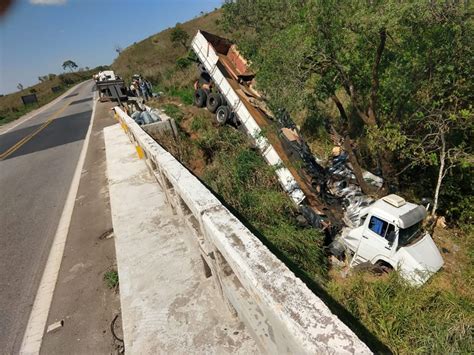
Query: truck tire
{"points": [[223, 114], [200, 98], [213, 102], [382, 267]]}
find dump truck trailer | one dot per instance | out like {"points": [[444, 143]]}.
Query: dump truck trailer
{"points": [[225, 88], [328, 199]]}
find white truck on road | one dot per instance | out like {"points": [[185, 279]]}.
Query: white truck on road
{"points": [[389, 231], [106, 75]]}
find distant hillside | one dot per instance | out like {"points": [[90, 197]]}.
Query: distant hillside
{"points": [[155, 57], [11, 105]]}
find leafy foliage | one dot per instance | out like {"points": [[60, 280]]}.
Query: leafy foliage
{"points": [[69, 64], [179, 36], [398, 74], [393, 82]]}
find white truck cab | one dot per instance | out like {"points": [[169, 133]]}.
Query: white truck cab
{"points": [[106, 75], [390, 232]]}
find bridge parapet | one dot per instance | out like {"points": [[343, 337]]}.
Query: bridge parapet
{"points": [[280, 311]]}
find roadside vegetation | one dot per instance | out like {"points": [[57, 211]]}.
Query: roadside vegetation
{"points": [[390, 81], [12, 107], [111, 279]]}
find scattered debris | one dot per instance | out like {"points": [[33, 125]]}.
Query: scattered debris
{"points": [[55, 326], [108, 234], [336, 262], [441, 222], [386, 230], [119, 343]]}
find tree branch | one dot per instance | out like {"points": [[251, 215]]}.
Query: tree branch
{"points": [[375, 78]]}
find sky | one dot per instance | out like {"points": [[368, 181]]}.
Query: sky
{"points": [[37, 36]]}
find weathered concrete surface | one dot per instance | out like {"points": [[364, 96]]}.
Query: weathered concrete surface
{"points": [[282, 314], [168, 304], [163, 127], [81, 297]]}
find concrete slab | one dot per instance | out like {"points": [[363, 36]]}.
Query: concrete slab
{"points": [[168, 304]]}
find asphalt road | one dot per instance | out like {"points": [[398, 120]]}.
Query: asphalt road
{"points": [[37, 163]]}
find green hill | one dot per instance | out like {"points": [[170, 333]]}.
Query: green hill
{"points": [[155, 57]]}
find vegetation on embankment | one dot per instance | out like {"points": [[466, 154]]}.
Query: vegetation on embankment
{"points": [[392, 80], [12, 107], [435, 318], [225, 160], [158, 57]]}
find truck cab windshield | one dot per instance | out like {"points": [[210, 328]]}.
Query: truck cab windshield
{"points": [[409, 234]]}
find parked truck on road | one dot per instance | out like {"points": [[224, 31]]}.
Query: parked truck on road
{"points": [[385, 232]]}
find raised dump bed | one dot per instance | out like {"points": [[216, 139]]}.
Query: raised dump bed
{"points": [[226, 71]]}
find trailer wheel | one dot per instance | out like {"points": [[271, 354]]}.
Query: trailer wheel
{"points": [[200, 98], [223, 114], [213, 102]]}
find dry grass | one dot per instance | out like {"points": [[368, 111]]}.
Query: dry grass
{"points": [[12, 107], [155, 57], [437, 318]]}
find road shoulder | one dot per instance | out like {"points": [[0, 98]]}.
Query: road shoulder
{"points": [[82, 300]]}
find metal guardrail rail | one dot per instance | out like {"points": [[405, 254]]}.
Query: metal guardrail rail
{"points": [[280, 311]]}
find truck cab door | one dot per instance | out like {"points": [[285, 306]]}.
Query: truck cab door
{"points": [[378, 239]]}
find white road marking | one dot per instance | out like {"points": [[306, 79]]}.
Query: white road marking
{"points": [[33, 337], [32, 114]]}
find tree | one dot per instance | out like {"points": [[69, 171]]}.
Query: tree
{"points": [[441, 141], [118, 49], [70, 65], [374, 63], [179, 36], [19, 87]]}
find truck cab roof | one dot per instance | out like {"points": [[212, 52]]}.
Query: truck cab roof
{"points": [[396, 210]]}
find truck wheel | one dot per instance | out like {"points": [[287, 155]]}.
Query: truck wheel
{"points": [[223, 114], [213, 102], [200, 98], [381, 267]]}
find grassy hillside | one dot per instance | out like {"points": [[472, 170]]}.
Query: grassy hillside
{"points": [[12, 107], [435, 318], [155, 57]]}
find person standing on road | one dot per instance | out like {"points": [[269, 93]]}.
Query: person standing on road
{"points": [[149, 88], [144, 89]]}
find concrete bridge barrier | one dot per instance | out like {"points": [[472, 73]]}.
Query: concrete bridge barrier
{"points": [[282, 314]]}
